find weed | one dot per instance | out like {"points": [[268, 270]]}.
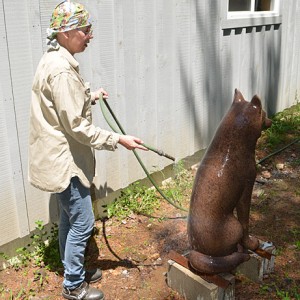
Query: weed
{"points": [[179, 187], [51, 255], [292, 293], [296, 232], [39, 252], [43, 251], [134, 199], [4, 256], [284, 125], [23, 293], [21, 260], [287, 292], [265, 289], [283, 295], [279, 251], [142, 200], [40, 277]]}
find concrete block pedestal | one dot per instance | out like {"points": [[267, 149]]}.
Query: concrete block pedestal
{"points": [[194, 287], [257, 266]]}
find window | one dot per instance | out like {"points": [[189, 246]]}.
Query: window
{"points": [[251, 5], [246, 13]]}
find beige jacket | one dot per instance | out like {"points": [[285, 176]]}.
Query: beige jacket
{"points": [[62, 136]]}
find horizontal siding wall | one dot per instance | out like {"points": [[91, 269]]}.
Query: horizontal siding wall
{"points": [[249, 72], [170, 68], [289, 83], [13, 213]]}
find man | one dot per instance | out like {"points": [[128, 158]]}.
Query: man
{"points": [[62, 139]]}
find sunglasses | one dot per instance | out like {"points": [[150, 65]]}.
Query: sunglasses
{"points": [[86, 30]]}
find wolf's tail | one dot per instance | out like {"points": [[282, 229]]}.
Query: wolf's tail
{"points": [[213, 265]]}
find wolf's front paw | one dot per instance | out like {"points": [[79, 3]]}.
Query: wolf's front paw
{"points": [[250, 243]]}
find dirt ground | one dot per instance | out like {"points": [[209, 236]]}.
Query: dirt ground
{"points": [[133, 254]]}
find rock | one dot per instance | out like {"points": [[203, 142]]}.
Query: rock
{"points": [[266, 174], [154, 256], [195, 167], [279, 166], [114, 272], [158, 262], [125, 273], [258, 193], [261, 180], [167, 181]]}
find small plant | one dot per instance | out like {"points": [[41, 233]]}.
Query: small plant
{"points": [[24, 292], [265, 289], [179, 187], [283, 295], [41, 277], [296, 232], [51, 255], [42, 251], [134, 199], [291, 294], [285, 124], [142, 200]]}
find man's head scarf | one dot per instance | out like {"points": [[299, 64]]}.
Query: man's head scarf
{"points": [[67, 16]]}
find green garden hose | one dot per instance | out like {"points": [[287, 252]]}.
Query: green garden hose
{"points": [[103, 103], [278, 151]]}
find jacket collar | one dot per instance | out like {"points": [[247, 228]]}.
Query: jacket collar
{"points": [[65, 53]]}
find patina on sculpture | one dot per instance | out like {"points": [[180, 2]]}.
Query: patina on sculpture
{"points": [[224, 181]]}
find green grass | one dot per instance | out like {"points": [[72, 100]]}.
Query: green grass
{"points": [[139, 199], [285, 127], [136, 198]]}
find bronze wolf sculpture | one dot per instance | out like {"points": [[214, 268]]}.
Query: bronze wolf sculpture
{"points": [[223, 184]]}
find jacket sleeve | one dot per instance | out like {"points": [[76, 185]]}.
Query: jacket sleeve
{"points": [[72, 101]]}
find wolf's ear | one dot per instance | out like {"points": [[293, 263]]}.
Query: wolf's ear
{"points": [[256, 101], [238, 97]]}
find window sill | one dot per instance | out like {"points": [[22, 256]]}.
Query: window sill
{"points": [[250, 21]]}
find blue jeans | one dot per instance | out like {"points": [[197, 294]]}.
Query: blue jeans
{"points": [[75, 228]]}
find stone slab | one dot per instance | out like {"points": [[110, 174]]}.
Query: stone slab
{"points": [[258, 267], [193, 287]]}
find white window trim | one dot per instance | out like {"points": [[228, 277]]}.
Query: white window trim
{"points": [[249, 19]]}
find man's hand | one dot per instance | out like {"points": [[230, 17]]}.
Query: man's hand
{"points": [[131, 142], [100, 91]]}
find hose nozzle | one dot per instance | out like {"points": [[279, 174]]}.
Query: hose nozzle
{"points": [[159, 152]]}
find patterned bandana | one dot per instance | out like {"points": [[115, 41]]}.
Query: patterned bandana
{"points": [[67, 16]]}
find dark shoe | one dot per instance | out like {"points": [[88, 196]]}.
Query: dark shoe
{"points": [[83, 292], [92, 276]]}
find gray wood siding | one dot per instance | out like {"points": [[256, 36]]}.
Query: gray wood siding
{"points": [[170, 67]]}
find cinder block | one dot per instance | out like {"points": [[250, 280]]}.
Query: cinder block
{"points": [[257, 267], [193, 287]]}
